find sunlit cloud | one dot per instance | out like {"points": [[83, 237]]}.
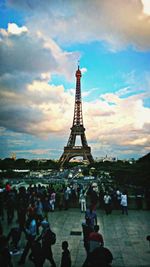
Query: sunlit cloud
{"points": [[118, 28], [14, 29], [146, 6], [120, 125]]}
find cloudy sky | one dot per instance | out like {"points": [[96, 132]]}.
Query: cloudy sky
{"points": [[41, 43]]}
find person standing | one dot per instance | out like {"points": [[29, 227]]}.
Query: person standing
{"points": [[82, 200], [60, 195], [46, 207], [66, 257], [2, 203], [10, 206], [124, 203], [67, 193], [94, 197], [39, 213], [52, 201], [107, 203], [22, 204]]}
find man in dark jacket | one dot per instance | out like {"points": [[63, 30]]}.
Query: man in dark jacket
{"points": [[66, 258], [46, 243], [101, 257], [5, 257]]}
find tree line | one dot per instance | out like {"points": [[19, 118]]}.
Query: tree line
{"points": [[137, 173]]}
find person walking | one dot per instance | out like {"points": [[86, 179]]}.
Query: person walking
{"points": [[92, 216], [87, 229], [5, 256], [30, 232], [14, 237], [46, 237], [101, 256], [95, 239]]}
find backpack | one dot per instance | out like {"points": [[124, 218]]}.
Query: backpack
{"points": [[49, 238]]}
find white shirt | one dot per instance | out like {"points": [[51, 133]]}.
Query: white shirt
{"points": [[107, 199], [123, 200]]}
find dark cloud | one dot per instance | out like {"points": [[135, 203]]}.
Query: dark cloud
{"points": [[23, 53], [18, 117]]}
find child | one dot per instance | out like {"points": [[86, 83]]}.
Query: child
{"points": [[66, 258]]}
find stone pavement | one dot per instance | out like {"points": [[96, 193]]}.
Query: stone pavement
{"points": [[124, 235]]}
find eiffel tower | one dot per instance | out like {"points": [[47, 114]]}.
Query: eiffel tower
{"points": [[77, 129]]}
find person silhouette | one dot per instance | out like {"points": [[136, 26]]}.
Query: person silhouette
{"points": [[66, 258]]}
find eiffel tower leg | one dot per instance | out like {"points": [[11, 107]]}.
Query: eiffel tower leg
{"points": [[64, 158]]}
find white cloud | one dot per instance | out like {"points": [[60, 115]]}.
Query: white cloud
{"points": [[14, 29], [122, 125], [83, 70], [146, 6], [118, 23]]}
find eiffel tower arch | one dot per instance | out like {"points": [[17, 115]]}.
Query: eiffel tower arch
{"points": [[77, 129]]}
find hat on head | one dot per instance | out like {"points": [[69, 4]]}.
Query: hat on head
{"points": [[44, 224]]}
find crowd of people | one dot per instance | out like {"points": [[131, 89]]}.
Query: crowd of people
{"points": [[34, 203]]}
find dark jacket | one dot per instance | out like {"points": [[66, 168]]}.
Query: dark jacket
{"points": [[66, 259]]}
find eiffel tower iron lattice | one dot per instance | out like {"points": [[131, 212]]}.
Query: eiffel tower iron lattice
{"points": [[77, 129]]}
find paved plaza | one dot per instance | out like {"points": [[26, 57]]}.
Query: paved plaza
{"points": [[124, 235]]}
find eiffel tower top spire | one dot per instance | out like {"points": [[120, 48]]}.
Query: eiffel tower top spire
{"points": [[78, 72], [78, 119]]}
